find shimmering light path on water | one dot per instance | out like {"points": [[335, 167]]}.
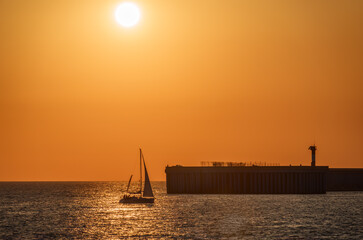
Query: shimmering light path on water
{"points": [[91, 210]]}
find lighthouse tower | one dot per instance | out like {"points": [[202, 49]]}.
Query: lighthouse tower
{"points": [[313, 149]]}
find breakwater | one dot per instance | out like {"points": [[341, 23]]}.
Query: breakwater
{"points": [[345, 179], [247, 180]]}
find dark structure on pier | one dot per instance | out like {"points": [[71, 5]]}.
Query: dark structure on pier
{"points": [[239, 178], [248, 180], [313, 149]]}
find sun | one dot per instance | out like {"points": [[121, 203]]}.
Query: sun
{"points": [[127, 14]]}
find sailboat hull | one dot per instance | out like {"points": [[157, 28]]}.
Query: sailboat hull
{"points": [[137, 200]]}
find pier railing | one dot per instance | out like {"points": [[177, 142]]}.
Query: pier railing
{"points": [[237, 164]]}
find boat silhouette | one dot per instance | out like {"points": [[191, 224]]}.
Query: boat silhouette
{"points": [[141, 196]]}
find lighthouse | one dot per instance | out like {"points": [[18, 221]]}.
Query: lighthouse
{"points": [[313, 149]]}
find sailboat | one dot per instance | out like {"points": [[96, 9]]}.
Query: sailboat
{"points": [[145, 196]]}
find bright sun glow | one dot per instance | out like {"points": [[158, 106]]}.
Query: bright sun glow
{"points": [[127, 14]]}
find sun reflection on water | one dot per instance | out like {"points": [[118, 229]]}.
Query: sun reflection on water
{"points": [[92, 211]]}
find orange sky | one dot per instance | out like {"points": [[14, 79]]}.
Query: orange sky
{"points": [[193, 81]]}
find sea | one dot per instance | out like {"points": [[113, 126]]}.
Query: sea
{"points": [[91, 210]]}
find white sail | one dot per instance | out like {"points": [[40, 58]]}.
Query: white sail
{"points": [[148, 192]]}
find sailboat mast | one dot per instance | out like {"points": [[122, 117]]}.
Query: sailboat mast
{"points": [[140, 172], [128, 185]]}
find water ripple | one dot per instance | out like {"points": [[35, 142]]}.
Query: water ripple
{"points": [[91, 210]]}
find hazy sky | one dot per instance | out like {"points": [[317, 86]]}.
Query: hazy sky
{"points": [[193, 81]]}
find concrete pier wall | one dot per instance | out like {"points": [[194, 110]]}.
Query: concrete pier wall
{"points": [[345, 179], [246, 180]]}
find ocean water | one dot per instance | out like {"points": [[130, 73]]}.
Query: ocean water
{"points": [[90, 210]]}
